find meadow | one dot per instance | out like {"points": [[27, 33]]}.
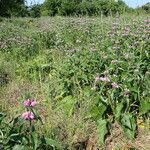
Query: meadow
{"points": [[70, 83]]}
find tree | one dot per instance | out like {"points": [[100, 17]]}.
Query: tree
{"points": [[35, 10], [10, 8]]}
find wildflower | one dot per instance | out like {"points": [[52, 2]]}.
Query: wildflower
{"points": [[104, 79], [29, 103], [126, 55], [126, 93], [28, 115], [116, 47], [78, 41], [33, 103], [106, 71], [135, 43], [114, 61], [115, 24], [115, 85], [125, 34], [147, 25], [94, 88], [147, 21], [93, 49], [127, 29]]}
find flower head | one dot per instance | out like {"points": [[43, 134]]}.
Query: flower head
{"points": [[104, 79], [94, 88], [114, 61], [126, 93], [29, 103], [28, 115], [115, 85]]}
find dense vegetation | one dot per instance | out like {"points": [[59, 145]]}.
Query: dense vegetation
{"points": [[18, 8], [76, 78]]}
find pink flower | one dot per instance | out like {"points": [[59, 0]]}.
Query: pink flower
{"points": [[126, 93], [97, 79], [127, 29], [33, 103], [104, 79], [115, 85], [94, 88], [28, 115], [125, 34], [29, 103], [147, 21], [147, 25]]}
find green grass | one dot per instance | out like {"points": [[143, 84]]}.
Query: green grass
{"points": [[56, 61]]}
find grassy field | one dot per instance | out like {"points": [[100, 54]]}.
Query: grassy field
{"points": [[89, 79]]}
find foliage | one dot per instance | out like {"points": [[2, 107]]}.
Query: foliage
{"points": [[13, 8], [146, 8], [35, 11], [18, 134], [88, 72], [77, 7]]}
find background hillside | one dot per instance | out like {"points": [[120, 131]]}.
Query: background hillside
{"points": [[18, 8]]}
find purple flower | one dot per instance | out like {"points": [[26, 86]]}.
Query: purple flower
{"points": [[127, 29], [147, 21], [126, 93], [94, 88], [27, 103], [97, 79], [115, 85], [125, 34], [33, 103], [30, 103], [28, 115], [104, 79], [147, 25]]}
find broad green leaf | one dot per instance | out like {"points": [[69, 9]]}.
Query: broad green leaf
{"points": [[129, 125], [93, 113], [97, 111], [144, 106], [34, 139], [118, 110], [102, 130], [53, 143], [102, 108], [67, 105]]}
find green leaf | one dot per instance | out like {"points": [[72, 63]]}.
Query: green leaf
{"points": [[118, 110], [53, 143], [34, 139], [102, 130], [93, 113], [129, 125], [97, 111], [144, 107], [102, 108], [67, 105]]}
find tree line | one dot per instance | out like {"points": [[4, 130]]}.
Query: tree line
{"points": [[18, 8]]}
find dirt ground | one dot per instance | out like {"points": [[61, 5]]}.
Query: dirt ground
{"points": [[118, 141]]}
